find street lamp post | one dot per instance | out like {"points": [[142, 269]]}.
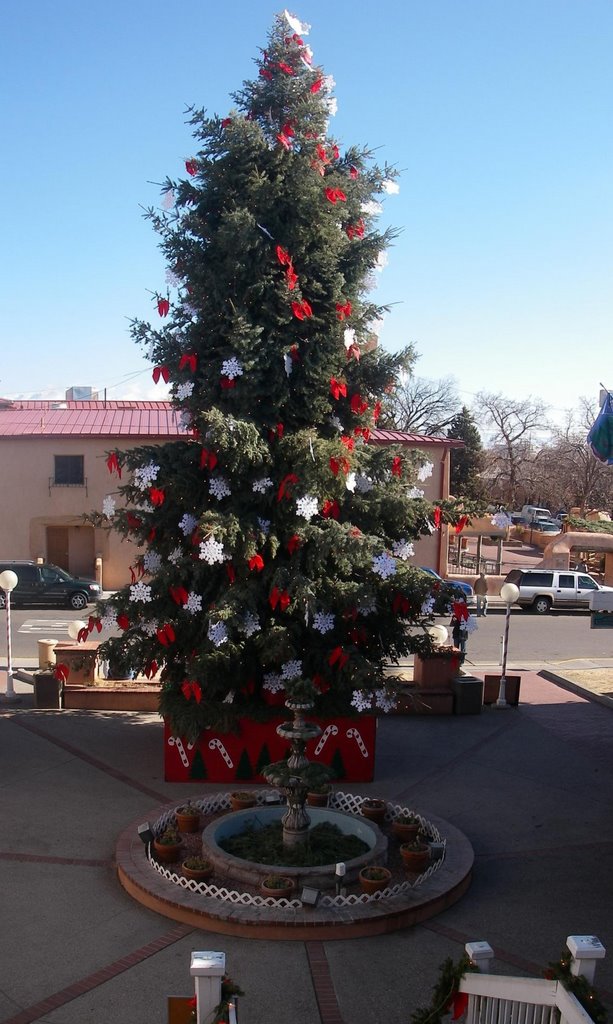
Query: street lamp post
{"points": [[509, 594], [8, 582]]}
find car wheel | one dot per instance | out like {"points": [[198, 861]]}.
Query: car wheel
{"points": [[542, 605], [78, 602]]}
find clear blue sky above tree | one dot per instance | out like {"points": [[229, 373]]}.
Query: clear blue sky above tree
{"points": [[496, 114]]}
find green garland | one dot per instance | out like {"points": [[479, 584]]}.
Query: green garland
{"points": [[444, 992], [579, 986]]}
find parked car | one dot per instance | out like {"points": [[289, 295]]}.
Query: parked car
{"points": [[47, 584], [457, 586], [545, 525], [532, 512], [543, 589]]}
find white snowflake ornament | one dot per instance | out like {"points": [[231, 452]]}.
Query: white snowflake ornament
{"points": [[145, 475], [193, 603], [403, 549], [231, 368], [187, 524], [291, 670], [425, 471], [307, 507], [323, 622], [185, 390], [211, 551], [250, 624], [384, 565], [273, 682], [108, 506], [140, 592], [360, 701], [262, 485], [219, 488], [218, 633]]}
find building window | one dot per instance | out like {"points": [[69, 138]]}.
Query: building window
{"points": [[69, 471]]}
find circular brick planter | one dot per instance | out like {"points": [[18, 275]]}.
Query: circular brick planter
{"points": [[221, 907]]}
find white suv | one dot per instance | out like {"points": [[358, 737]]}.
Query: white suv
{"points": [[544, 589]]}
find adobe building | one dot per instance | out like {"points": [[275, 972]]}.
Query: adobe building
{"points": [[54, 473]]}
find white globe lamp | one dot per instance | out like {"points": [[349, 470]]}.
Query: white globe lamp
{"points": [[8, 582]]}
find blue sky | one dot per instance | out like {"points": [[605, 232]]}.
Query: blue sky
{"points": [[497, 112]]}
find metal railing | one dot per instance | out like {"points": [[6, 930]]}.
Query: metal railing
{"points": [[60, 483]]}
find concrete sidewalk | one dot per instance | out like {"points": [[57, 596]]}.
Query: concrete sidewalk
{"points": [[531, 787]]}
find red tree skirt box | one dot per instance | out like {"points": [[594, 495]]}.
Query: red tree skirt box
{"points": [[347, 745]]}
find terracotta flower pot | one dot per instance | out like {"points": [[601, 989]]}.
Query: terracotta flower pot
{"points": [[187, 822], [241, 801], [197, 874], [167, 853], [415, 859], [372, 885], [318, 799], [374, 810], [278, 892], [404, 831]]}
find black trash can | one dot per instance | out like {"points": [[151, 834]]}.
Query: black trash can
{"points": [[467, 695]]}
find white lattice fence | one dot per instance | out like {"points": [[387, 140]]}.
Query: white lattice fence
{"points": [[349, 802]]}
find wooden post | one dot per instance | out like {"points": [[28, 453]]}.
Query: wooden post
{"points": [[585, 951], [208, 968], [481, 954]]}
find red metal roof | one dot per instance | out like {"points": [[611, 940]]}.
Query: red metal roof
{"points": [[90, 419], [117, 419]]}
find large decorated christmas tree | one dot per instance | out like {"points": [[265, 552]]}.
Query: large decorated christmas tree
{"points": [[274, 541]]}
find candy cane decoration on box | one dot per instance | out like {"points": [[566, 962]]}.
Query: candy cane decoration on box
{"points": [[330, 730], [218, 745], [175, 741], [354, 734]]}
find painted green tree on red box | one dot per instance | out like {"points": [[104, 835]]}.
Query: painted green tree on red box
{"points": [[276, 539]]}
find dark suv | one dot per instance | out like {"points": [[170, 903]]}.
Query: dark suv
{"points": [[48, 585]]}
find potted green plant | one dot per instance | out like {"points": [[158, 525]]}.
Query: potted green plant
{"points": [[188, 817], [416, 854], [373, 878], [277, 886], [241, 800], [374, 809], [168, 845], [318, 796], [197, 868], [406, 826]]}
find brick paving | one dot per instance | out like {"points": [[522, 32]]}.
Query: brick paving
{"points": [[531, 787]]}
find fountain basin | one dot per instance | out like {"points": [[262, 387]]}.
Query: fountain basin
{"points": [[321, 876]]}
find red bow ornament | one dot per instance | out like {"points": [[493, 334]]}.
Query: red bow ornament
{"points": [[112, 464], [191, 167], [283, 256], [163, 307], [231, 572], [461, 523], [338, 658], [279, 597], [330, 509], [348, 442], [157, 496], [166, 634], [335, 195], [438, 515], [343, 311], [376, 411], [61, 672], [358, 405], [286, 68], [293, 543], [256, 563], [150, 670], [285, 484], [94, 623], [188, 359], [337, 388], [134, 523], [208, 460], [460, 610], [396, 466], [227, 383], [160, 371], [191, 690], [123, 621], [82, 635], [301, 310], [400, 604], [179, 595], [284, 140], [316, 86], [276, 432]]}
